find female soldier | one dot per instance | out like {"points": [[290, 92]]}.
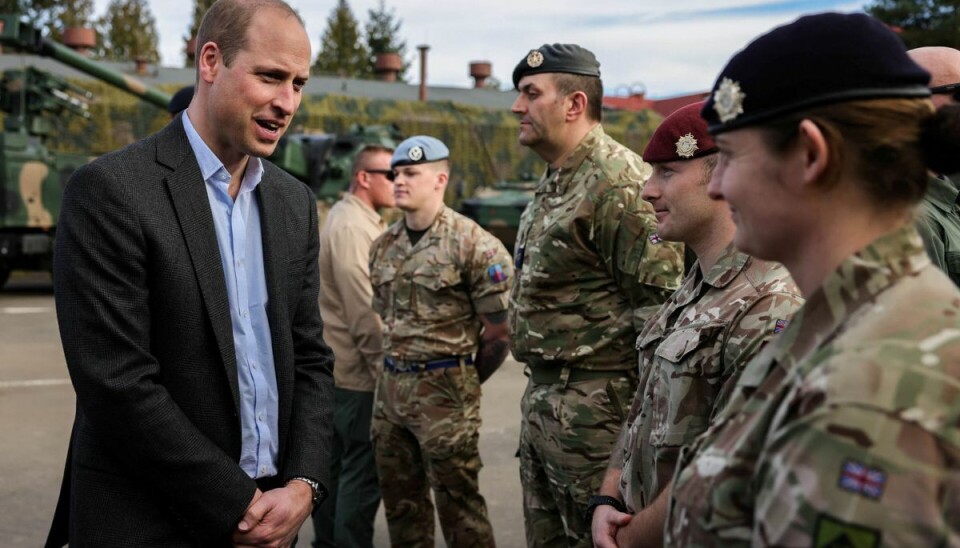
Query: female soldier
{"points": [[846, 429]]}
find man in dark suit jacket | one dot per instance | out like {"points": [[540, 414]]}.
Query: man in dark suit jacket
{"points": [[186, 288]]}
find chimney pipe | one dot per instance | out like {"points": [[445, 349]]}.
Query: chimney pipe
{"points": [[423, 71], [480, 71], [387, 65]]}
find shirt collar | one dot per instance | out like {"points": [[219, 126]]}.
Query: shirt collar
{"points": [[728, 266], [855, 282], [559, 179], [210, 165]]}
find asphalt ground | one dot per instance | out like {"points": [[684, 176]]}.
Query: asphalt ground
{"points": [[37, 408]]}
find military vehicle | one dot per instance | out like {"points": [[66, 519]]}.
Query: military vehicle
{"points": [[323, 161], [32, 176], [498, 208]]}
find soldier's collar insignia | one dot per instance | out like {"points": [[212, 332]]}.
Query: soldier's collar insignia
{"points": [[687, 146], [728, 100], [415, 154], [534, 59]]}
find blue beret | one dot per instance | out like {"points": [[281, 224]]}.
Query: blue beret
{"points": [[419, 149], [568, 58], [815, 60], [681, 136]]}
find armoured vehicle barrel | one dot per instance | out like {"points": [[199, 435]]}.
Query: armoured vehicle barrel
{"points": [[18, 35]]}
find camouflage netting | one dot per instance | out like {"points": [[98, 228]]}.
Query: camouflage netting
{"points": [[483, 142]]}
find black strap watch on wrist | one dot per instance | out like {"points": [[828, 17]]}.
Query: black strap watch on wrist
{"points": [[602, 500], [319, 493]]}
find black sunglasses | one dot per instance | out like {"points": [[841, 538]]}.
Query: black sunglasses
{"points": [[949, 89], [388, 173]]}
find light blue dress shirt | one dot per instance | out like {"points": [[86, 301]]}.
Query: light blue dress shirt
{"points": [[241, 252]]}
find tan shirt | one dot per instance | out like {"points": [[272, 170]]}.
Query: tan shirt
{"points": [[351, 327]]}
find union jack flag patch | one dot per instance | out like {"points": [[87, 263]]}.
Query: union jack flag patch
{"points": [[779, 326], [496, 273], [861, 479], [655, 238]]}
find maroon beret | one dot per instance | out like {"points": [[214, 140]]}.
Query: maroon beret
{"points": [[681, 136]]}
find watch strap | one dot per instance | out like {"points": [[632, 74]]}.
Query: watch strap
{"points": [[602, 500]]}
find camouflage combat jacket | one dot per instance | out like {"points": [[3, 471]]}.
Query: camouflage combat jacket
{"points": [[591, 266], [430, 294], [691, 352], [938, 222], [845, 430]]}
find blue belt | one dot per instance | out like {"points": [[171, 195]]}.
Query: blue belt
{"points": [[401, 366]]}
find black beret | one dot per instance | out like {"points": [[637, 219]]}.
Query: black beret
{"points": [[815, 60], [681, 136], [180, 100], [569, 58]]}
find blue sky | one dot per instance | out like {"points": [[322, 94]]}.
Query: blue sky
{"points": [[666, 48]]}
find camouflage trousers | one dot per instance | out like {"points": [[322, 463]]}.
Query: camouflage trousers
{"points": [[566, 436], [425, 432]]}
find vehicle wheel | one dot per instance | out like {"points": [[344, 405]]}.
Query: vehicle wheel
{"points": [[4, 274]]}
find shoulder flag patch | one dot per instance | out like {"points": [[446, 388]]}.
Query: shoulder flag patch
{"points": [[496, 273], [833, 533], [861, 479], [780, 326]]}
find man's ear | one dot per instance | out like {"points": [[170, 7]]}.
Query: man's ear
{"points": [[208, 62], [363, 180], [814, 152], [576, 105], [442, 178]]}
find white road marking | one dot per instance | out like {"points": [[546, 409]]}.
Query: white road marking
{"points": [[25, 309], [33, 382]]}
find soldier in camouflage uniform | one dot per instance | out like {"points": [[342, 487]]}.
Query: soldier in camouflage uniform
{"points": [[938, 220], [441, 285], [845, 429], [693, 348], [591, 270]]}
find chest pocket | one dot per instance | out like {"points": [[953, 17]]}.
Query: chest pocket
{"points": [[438, 290], [687, 378], [383, 288]]}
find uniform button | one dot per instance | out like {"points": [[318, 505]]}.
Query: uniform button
{"points": [[260, 417], [253, 365]]}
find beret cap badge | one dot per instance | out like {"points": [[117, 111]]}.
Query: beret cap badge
{"points": [[415, 154], [687, 146], [535, 58], [728, 100]]}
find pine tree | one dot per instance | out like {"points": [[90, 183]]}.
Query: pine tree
{"points": [[200, 8], [921, 22], [130, 31], [341, 51], [383, 36]]}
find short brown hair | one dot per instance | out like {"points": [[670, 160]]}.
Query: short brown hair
{"points": [[876, 141], [227, 21], [590, 85], [362, 157]]}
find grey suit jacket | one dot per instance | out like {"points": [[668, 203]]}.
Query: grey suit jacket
{"points": [[145, 325]]}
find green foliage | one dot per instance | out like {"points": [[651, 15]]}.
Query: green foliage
{"points": [[341, 52], [383, 36], [130, 31], [921, 22], [52, 16]]}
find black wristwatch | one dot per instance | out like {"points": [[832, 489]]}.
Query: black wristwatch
{"points": [[602, 500], [319, 493]]}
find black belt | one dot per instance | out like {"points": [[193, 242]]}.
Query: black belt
{"points": [[402, 366], [555, 375]]}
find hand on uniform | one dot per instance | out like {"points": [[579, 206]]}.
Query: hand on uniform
{"points": [[273, 519], [607, 522]]}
